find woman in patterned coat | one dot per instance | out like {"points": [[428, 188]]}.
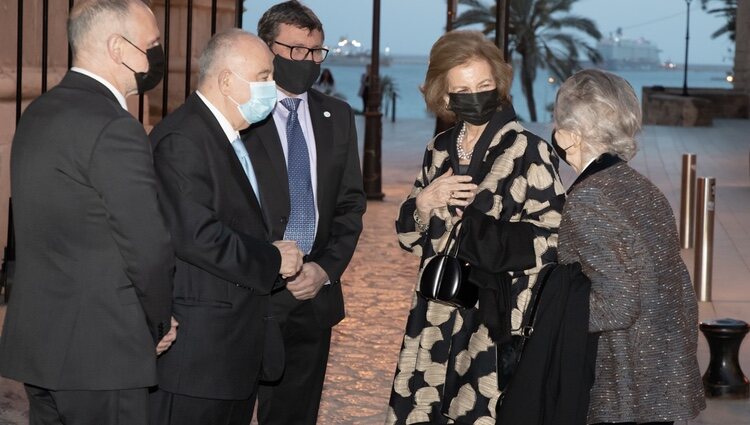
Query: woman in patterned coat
{"points": [[621, 229], [492, 170]]}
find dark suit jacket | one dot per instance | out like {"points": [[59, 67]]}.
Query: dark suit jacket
{"points": [[225, 266], [341, 200], [94, 262]]}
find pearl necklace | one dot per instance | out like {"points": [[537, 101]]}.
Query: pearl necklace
{"points": [[462, 154]]}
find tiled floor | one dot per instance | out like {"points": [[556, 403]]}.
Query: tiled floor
{"points": [[379, 283]]}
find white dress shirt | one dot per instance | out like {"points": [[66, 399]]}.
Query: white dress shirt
{"points": [[119, 96], [232, 135]]}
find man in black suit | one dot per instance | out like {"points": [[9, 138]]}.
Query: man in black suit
{"points": [[226, 263], [91, 304], [307, 160]]}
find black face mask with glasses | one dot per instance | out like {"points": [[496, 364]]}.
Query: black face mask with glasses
{"points": [[298, 74]]}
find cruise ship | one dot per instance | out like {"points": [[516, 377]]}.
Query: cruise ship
{"points": [[353, 53], [620, 53]]}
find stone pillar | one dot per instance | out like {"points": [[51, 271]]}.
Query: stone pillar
{"points": [[742, 48]]}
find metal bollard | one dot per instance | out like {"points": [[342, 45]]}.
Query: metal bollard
{"points": [[687, 201], [704, 237], [724, 377]]}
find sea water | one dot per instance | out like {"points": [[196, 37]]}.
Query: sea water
{"points": [[408, 77]]}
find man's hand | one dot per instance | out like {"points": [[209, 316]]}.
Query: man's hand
{"points": [[168, 339], [291, 258], [308, 282]]}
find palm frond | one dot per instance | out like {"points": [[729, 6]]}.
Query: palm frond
{"points": [[473, 17], [477, 4], [579, 23]]}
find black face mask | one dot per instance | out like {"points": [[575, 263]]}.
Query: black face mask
{"points": [[559, 150], [296, 77], [474, 108], [146, 81]]}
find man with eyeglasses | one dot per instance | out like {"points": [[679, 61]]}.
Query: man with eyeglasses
{"points": [[307, 163], [91, 303]]}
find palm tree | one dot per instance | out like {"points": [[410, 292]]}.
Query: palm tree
{"points": [[538, 32], [727, 9]]}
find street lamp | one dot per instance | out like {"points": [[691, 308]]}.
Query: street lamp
{"points": [[371, 163], [502, 14], [440, 124], [687, 42]]}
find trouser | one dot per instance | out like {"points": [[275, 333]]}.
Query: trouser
{"points": [[295, 398], [177, 409], [113, 407], [636, 423]]}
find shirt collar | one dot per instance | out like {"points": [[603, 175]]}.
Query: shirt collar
{"points": [[281, 95], [119, 96], [230, 132]]}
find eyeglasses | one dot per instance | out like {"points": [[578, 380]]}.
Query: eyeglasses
{"points": [[300, 53]]}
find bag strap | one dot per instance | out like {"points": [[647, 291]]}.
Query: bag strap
{"points": [[528, 329], [454, 236]]}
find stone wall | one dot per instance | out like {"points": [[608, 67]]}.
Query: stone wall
{"points": [[667, 106]]}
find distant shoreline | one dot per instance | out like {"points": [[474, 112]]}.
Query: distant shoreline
{"points": [[699, 67]]}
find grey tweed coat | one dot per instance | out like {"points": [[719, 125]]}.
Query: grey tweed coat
{"points": [[620, 227]]}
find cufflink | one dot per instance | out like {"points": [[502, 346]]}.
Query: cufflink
{"points": [[327, 114]]}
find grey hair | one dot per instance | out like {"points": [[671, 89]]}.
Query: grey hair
{"points": [[603, 109], [217, 49], [87, 14]]}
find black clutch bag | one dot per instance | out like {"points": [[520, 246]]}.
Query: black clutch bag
{"points": [[445, 278]]}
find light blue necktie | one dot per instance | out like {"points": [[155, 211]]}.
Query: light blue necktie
{"points": [[239, 149], [301, 224]]}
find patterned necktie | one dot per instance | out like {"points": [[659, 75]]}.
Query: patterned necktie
{"points": [[241, 152], [301, 224]]}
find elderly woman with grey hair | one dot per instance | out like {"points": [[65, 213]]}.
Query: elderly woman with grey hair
{"points": [[621, 229]]}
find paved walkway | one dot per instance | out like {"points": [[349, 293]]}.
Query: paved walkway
{"points": [[379, 283]]}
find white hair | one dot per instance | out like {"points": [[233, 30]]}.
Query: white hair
{"points": [[603, 109], [219, 49]]}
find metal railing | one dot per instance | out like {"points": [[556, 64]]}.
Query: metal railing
{"points": [[166, 44]]}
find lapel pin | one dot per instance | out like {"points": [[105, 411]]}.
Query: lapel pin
{"points": [[327, 114]]}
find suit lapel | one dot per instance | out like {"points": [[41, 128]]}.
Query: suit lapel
{"points": [[222, 145], [322, 123], [264, 147]]}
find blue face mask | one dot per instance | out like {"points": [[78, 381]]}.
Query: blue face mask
{"points": [[261, 103]]}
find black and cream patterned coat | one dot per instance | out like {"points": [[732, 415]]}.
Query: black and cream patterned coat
{"points": [[446, 370], [621, 229]]}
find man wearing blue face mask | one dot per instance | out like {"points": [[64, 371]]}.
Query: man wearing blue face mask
{"points": [[226, 264]]}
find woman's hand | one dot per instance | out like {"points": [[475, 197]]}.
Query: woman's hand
{"points": [[443, 191]]}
